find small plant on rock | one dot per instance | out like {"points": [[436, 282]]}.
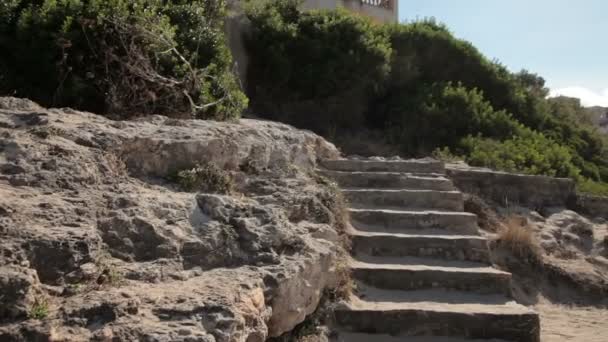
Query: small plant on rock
{"points": [[114, 276], [39, 309], [445, 155], [110, 276], [115, 165], [206, 178]]}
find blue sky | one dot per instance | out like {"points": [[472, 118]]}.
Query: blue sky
{"points": [[565, 41]]}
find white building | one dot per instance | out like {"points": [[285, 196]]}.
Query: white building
{"points": [[384, 11]]}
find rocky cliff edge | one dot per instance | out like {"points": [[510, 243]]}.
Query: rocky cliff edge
{"points": [[100, 243]]}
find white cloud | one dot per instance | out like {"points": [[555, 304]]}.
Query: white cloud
{"points": [[588, 97]]}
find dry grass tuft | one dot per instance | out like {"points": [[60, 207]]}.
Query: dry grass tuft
{"points": [[345, 285], [115, 165], [206, 177], [518, 237]]}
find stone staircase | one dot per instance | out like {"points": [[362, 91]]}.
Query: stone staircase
{"points": [[422, 270]]}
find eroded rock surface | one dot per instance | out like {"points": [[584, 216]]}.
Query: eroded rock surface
{"points": [[99, 244], [573, 254]]}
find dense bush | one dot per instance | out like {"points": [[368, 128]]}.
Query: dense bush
{"points": [[426, 52], [120, 57], [421, 89], [530, 153], [441, 115], [314, 69], [570, 124]]}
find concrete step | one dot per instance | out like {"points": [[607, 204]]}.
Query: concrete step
{"points": [[404, 199], [438, 313], [388, 180], [401, 220], [341, 336], [387, 273], [447, 247], [370, 165]]}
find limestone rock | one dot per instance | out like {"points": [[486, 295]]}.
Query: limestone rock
{"points": [[91, 219], [18, 288]]}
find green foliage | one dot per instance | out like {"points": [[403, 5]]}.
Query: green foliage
{"points": [[441, 115], [120, 57], [531, 153], [426, 52], [592, 187], [206, 178], [304, 61], [40, 309], [114, 277], [570, 123], [434, 93]]}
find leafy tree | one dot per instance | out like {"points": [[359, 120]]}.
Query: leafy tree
{"points": [[441, 115], [120, 57], [325, 62], [419, 87]]}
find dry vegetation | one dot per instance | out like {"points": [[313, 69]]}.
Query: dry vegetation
{"points": [[558, 264], [116, 167], [518, 237], [208, 178]]}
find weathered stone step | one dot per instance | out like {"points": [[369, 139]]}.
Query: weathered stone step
{"points": [[438, 313], [388, 180], [362, 337], [387, 274], [406, 166], [447, 247], [401, 220], [404, 199]]}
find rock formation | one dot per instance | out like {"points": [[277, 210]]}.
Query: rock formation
{"points": [[99, 242]]}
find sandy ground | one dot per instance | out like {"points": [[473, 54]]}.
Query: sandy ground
{"points": [[565, 323]]}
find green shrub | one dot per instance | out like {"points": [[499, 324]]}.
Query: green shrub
{"points": [[530, 153], [592, 187], [314, 69], [328, 70], [40, 309], [426, 52], [569, 124], [420, 87], [205, 178], [441, 115], [120, 57]]}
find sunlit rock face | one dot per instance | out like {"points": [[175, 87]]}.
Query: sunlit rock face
{"points": [[99, 242]]}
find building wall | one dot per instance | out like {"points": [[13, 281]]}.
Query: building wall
{"points": [[321, 4], [380, 14]]}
